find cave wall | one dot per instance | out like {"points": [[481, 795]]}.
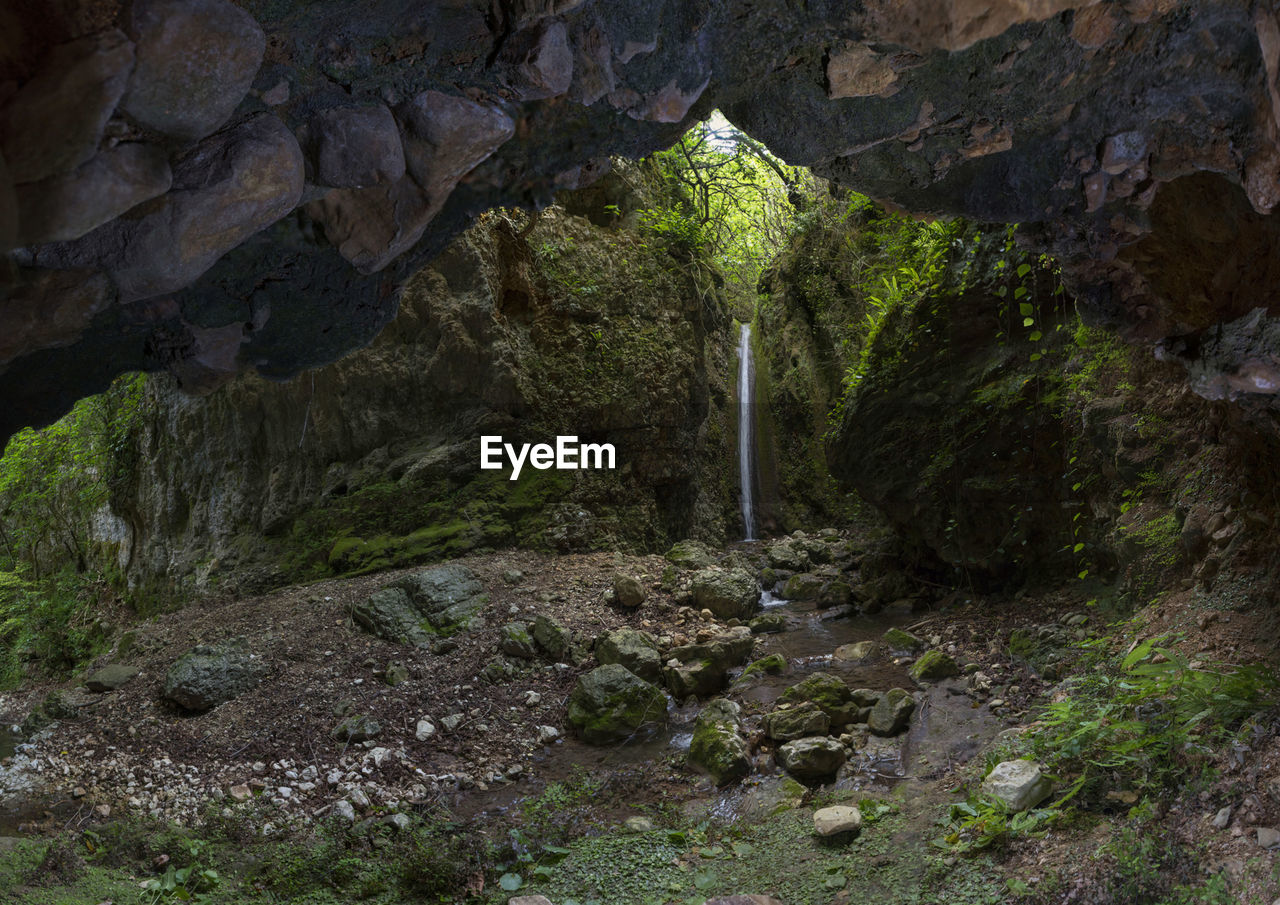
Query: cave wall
{"points": [[205, 187]]}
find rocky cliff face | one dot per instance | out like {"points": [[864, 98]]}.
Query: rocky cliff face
{"points": [[524, 330], [205, 187]]}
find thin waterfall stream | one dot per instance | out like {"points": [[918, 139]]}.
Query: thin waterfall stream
{"points": [[746, 431]]}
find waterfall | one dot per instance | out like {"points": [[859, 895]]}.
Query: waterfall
{"points": [[746, 431]]}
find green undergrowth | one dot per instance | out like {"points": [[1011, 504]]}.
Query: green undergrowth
{"points": [[52, 625]]}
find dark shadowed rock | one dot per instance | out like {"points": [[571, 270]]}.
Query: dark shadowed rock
{"points": [[211, 674], [109, 678], [71, 204], [729, 593], [611, 703], [718, 746], [892, 712], [355, 147], [224, 190], [55, 121], [196, 61]]}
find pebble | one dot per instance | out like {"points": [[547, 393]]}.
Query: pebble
{"points": [[425, 730], [547, 734], [532, 699], [344, 810], [453, 721], [1222, 818], [240, 792]]}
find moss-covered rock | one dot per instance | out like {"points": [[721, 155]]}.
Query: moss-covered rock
{"points": [[772, 665], [611, 703], [932, 666], [796, 721], [824, 690], [718, 746], [390, 614], [515, 640], [812, 758], [768, 623], [357, 729], [723, 650], [632, 648], [892, 712], [699, 678], [211, 674], [804, 586], [728, 593], [552, 637], [628, 591], [902, 640], [690, 554]]}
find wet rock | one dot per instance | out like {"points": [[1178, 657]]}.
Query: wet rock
{"points": [[634, 649], [69, 205], [768, 623], [902, 640], [835, 820], [1018, 783], [211, 674], [812, 758], [932, 666], [796, 721], [723, 650], [701, 679], [516, 641], [862, 650], [628, 591], [611, 703], [196, 61], [835, 594], [691, 554], [54, 123], [354, 147], [804, 586], [718, 746], [727, 593], [892, 712], [552, 637], [357, 729], [827, 692], [772, 665], [227, 188], [109, 678], [785, 556]]}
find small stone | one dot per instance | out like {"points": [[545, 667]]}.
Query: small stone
{"points": [[1268, 837], [862, 650], [1018, 783], [399, 821], [109, 678], [396, 674], [547, 734], [528, 900], [359, 798], [453, 721], [345, 810], [103, 811], [1222, 818], [628, 591], [638, 824], [839, 819], [425, 730], [532, 699]]}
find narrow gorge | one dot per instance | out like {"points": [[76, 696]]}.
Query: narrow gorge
{"points": [[882, 501]]}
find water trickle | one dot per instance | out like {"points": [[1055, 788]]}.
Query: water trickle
{"points": [[746, 431]]}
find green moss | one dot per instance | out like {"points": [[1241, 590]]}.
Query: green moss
{"points": [[772, 665], [828, 692]]}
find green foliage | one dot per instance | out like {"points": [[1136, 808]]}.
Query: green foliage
{"points": [[53, 622]]}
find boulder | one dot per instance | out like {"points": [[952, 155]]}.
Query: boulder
{"points": [[634, 649], [691, 554], [718, 746], [211, 674], [784, 555], [448, 596], [552, 637], [628, 591], [701, 679], [354, 147], [109, 678], [796, 721], [862, 650], [892, 712], [812, 758], [68, 205], [196, 62], [835, 594], [1017, 783], [901, 640], [932, 666], [611, 703], [723, 650], [772, 665], [55, 121], [804, 586], [827, 692], [728, 593], [391, 615], [835, 820], [516, 641], [768, 623]]}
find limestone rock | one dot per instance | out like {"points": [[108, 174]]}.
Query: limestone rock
{"points": [[785, 555], [1268, 837], [902, 640], [788, 723], [634, 649], [517, 642], [1018, 783], [552, 637], [448, 596], [690, 554], [55, 122], [892, 713], [628, 591], [224, 190], [728, 593], [768, 623], [354, 147], [610, 703], [722, 650], [211, 674], [835, 820], [812, 758], [357, 729], [861, 650], [932, 666], [772, 665], [196, 61], [109, 678], [718, 746], [541, 61], [391, 615], [827, 692], [858, 71], [701, 678], [804, 586], [68, 205]]}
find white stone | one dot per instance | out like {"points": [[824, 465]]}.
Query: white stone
{"points": [[1018, 783], [532, 699], [359, 798], [547, 734], [838, 819], [1268, 837], [399, 821], [344, 810]]}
